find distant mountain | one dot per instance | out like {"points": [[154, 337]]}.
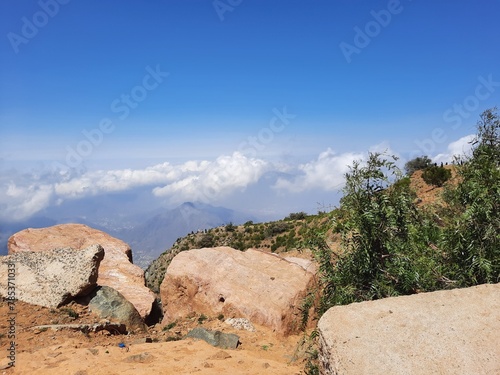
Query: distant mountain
{"points": [[148, 233], [155, 235]]}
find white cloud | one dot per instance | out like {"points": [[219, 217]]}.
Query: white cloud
{"points": [[326, 173], [20, 202], [462, 146], [22, 195], [215, 179], [98, 182]]}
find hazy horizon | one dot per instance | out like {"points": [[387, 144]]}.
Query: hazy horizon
{"points": [[255, 106]]}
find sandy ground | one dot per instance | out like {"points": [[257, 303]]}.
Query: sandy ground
{"points": [[77, 353]]}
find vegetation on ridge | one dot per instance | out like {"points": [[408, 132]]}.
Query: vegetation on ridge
{"points": [[393, 247], [382, 241]]}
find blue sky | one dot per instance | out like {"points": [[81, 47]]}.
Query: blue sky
{"points": [[421, 73]]}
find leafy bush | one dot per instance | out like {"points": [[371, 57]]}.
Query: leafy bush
{"points": [[296, 216], [472, 236], [277, 228], [385, 239], [207, 240], [419, 163], [230, 227], [436, 176]]}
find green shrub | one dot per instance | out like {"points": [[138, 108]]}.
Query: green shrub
{"points": [[386, 240], [296, 216], [472, 236], [419, 163], [207, 240], [230, 227], [436, 176], [277, 228]]}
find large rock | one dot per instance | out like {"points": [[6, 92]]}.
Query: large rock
{"points": [[446, 332], [116, 270], [215, 338], [51, 278], [259, 286], [107, 303]]}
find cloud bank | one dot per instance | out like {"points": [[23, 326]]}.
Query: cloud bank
{"points": [[24, 194], [326, 172]]}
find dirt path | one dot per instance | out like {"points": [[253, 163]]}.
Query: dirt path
{"points": [[76, 353]]}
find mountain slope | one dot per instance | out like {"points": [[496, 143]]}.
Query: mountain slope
{"points": [[150, 239]]}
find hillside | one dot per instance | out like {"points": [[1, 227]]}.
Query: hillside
{"points": [[283, 236], [289, 235], [150, 238]]}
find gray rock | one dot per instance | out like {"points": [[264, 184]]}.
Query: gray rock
{"points": [[215, 338], [110, 304], [446, 332], [51, 278]]}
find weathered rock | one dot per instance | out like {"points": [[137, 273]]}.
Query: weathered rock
{"points": [[116, 270], [259, 286], [215, 338], [107, 303], [240, 323], [445, 332], [52, 278]]}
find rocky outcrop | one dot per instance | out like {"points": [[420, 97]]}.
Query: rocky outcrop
{"points": [[259, 286], [215, 338], [116, 270], [51, 278], [107, 303], [445, 332]]}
